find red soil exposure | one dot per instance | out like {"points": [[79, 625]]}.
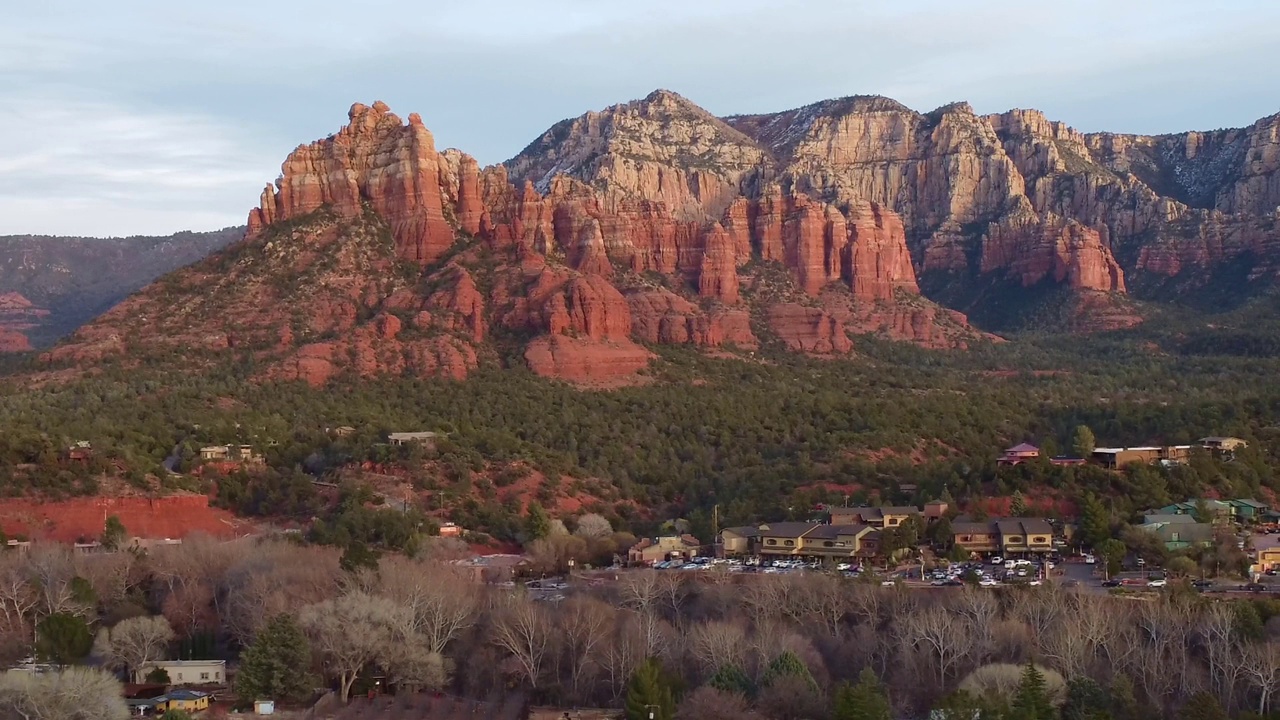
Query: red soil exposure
{"points": [[1039, 506], [175, 516]]}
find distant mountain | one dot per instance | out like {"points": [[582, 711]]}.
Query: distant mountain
{"points": [[654, 222], [49, 286]]}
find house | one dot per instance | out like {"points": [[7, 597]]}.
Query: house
{"points": [[1249, 509], [1162, 519], [877, 517], [1019, 454], [1007, 536], [1267, 548], [80, 451], [670, 547], [186, 700], [230, 453], [1217, 509], [451, 530], [343, 431], [1219, 445], [935, 509], [426, 439], [1024, 535], [1114, 457], [186, 672], [844, 541], [1179, 536], [782, 538], [214, 453], [976, 537], [1065, 461], [738, 540]]}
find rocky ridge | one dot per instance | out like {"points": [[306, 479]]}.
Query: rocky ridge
{"points": [[654, 222]]}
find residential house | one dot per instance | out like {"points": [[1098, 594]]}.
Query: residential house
{"points": [[976, 537], [671, 547], [80, 451], [1024, 535], [1019, 454], [343, 431], [1066, 461], [877, 517], [1164, 519], [451, 530], [1248, 509], [186, 672], [230, 453], [1006, 536], [1219, 445], [1182, 535], [935, 509], [1217, 509], [1267, 548], [1113, 457], [186, 700], [426, 439]]}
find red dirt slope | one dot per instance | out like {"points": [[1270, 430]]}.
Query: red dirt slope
{"points": [[175, 516]]}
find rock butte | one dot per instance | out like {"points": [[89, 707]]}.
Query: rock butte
{"points": [[655, 222]]}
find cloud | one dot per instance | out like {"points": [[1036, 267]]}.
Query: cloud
{"points": [[165, 111]]}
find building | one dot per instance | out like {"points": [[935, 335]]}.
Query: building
{"points": [[1217, 509], [671, 547], [1219, 445], [1165, 519], [186, 700], [976, 537], [1006, 536], [935, 509], [1115, 458], [186, 672], [426, 439], [1065, 461], [230, 453], [1249, 509], [736, 541], [1019, 454], [876, 517], [1267, 548], [451, 530], [1182, 535]]}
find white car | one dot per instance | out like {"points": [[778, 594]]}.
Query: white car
{"points": [[1036, 582], [887, 583], [843, 566], [988, 582], [1157, 583], [997, 560], [1090, 560]]}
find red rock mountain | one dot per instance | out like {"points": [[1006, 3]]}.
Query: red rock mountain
{"points": [[654, 222]]}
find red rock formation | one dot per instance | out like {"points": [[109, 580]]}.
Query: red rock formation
{"points": [[585, 361], [766, 224], [718, 277], [375, 159], [661, 316], [1031, 248], [804, 243], [808, 329], [878, 263], [17, 315]]}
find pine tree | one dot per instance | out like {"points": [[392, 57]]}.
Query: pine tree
{"points": [[1086, 700], [787, 664], [113, 533], [1031, 701], [731, 679], [538, 524], [63, 638], [1124, 706], [649, 696], [274, 666], [1203, 706], [1018, 505], [1095, 521], [866, 700]]}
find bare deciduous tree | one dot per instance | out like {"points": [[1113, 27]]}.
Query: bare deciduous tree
{"points": [[594, 527], [133, 643], [584, 629], [441, 601], [521, 628], [350, 632], [73, 692], [1262, 671], [719, 643], [941, 636]]}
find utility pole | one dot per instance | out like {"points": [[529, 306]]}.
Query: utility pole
{"points": [[715, 522]]}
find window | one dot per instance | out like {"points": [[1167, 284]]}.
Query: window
{"points": [[1039, 539], [179, 677], [966, 538], [893, 521], [790, 543], [1014, 539], [827, 543], [770, 541], [1174, 538], [204, 676]]}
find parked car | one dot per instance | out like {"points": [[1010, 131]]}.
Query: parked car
{"points": [[1090, 560], [1255, 587], [887, 583], [988, 582], [1157, 583], [1201, 584], [1113, 582], [997, 560]]}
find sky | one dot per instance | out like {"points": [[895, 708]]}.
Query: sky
{"points": [[141, 117]]}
